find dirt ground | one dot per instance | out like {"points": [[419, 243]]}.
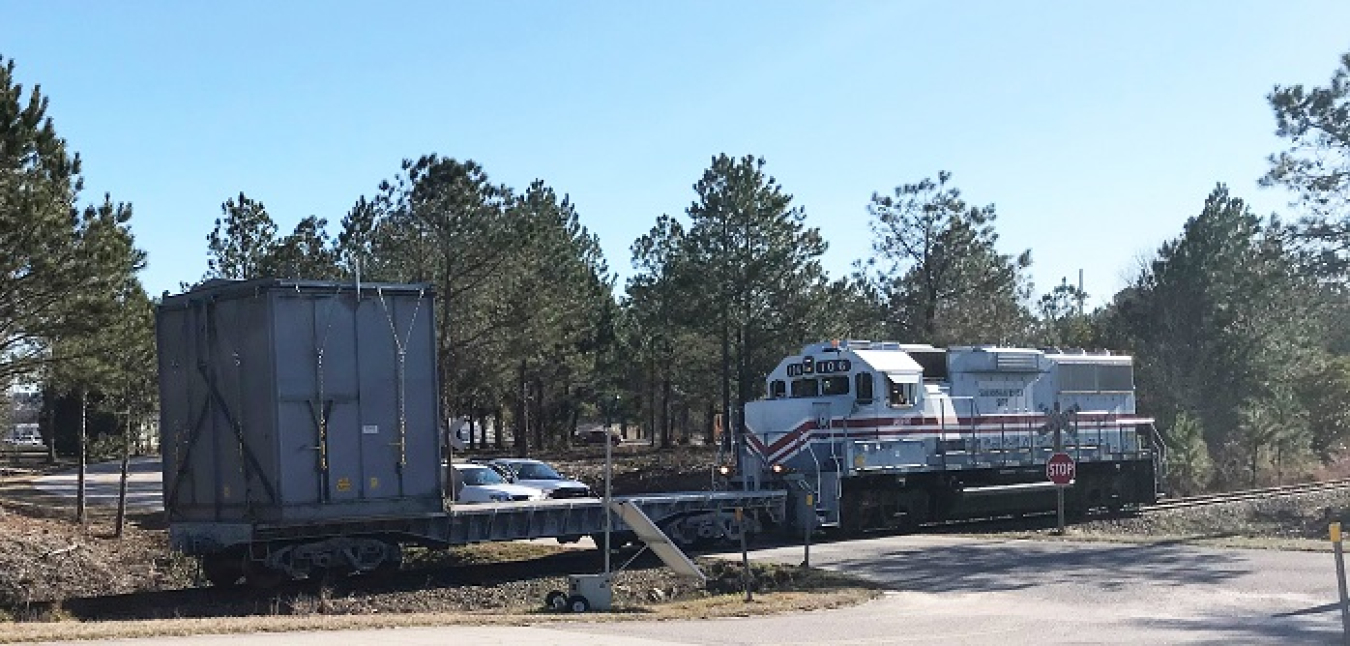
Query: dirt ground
{"points": [[53, 568]]}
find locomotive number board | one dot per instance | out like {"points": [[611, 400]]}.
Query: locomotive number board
{"points": [[809, 366]]}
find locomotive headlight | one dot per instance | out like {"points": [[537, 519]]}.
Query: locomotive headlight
{"points": [[777, 468], [725, 469]]}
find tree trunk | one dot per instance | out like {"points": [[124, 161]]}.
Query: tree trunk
{"points": [[522, 421], [726, 379], [49, 436], [649, 403], [665, 412], [572, 424], [710, 424], [80, 502], [122, 482], [684, 422], [498, 428], [540, 419], [1256, 453], [1279, 464]]}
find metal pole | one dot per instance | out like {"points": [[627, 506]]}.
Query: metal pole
{"points": [[1057, 422], [808, 522], [609, 493], [1059, 493], [1340, 581]]}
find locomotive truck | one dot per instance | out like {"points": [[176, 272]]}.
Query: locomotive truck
{"points": [[868, 435]]}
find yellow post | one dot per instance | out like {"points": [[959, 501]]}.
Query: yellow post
{"points": [[745, 554], [1335, 531]]}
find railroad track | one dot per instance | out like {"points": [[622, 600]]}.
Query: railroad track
{"points": [[1249, 494]]}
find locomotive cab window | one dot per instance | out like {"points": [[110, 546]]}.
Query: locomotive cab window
{"points": [[863, 387], [901, 393], [777, 389], [805, 388], [837, 385]]}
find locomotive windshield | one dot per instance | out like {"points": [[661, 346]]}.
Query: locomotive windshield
{"points": [[901, 392]]}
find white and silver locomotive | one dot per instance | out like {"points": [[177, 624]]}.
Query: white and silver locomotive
{"points": [[881, 434]]}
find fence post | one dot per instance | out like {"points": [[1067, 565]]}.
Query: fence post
{"points": [[1335, 531]]}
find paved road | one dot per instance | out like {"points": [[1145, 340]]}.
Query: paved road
{"points": [[978, 591], [144, 488], [955, 591]]}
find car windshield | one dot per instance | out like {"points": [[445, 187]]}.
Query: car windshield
{"points": [[536, 471], [480, 476]]}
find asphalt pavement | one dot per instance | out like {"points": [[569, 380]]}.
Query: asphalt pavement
{"points": [[144, 488]]}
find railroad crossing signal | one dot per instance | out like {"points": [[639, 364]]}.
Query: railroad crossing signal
{"points": [[1060, 469]]}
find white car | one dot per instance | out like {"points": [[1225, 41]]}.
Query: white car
{"points": [[478, 483], [539, 475], [24, 440]]}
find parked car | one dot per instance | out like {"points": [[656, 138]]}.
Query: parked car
{"points": [[481, 483], [23, 440], [542, 476], [597, 436]]}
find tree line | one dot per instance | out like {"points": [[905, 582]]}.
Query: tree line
{"points": [[1235, 323]]}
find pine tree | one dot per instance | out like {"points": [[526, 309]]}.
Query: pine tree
{"points": [[936, 264]]}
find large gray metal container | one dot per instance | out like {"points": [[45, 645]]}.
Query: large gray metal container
{"points": [[290, 401]]}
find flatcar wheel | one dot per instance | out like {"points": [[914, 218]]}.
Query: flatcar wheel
{"points": [[222, 570], [556, 601], [578, 603], [261, 577]]}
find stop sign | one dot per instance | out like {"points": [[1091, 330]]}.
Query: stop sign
{"points": [[1060, 469]]}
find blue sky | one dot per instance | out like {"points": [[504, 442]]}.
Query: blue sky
{"points": [[1096, 128]]}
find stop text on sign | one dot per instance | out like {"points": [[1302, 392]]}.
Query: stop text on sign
{"points": [[1064, 469], [1060, 468]]}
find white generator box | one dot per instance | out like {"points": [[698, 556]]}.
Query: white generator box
{"points": [[596, 589]]}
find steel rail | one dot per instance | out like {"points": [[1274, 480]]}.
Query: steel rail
{"points": [[1247, 495]]}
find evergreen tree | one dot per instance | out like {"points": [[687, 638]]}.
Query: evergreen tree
{"points": [[1061, 321], [939, 271], [1316, 166], [1189, 467], [307, 253], [1221, 323], [241, 244], [58, 265], [758, 268]]}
